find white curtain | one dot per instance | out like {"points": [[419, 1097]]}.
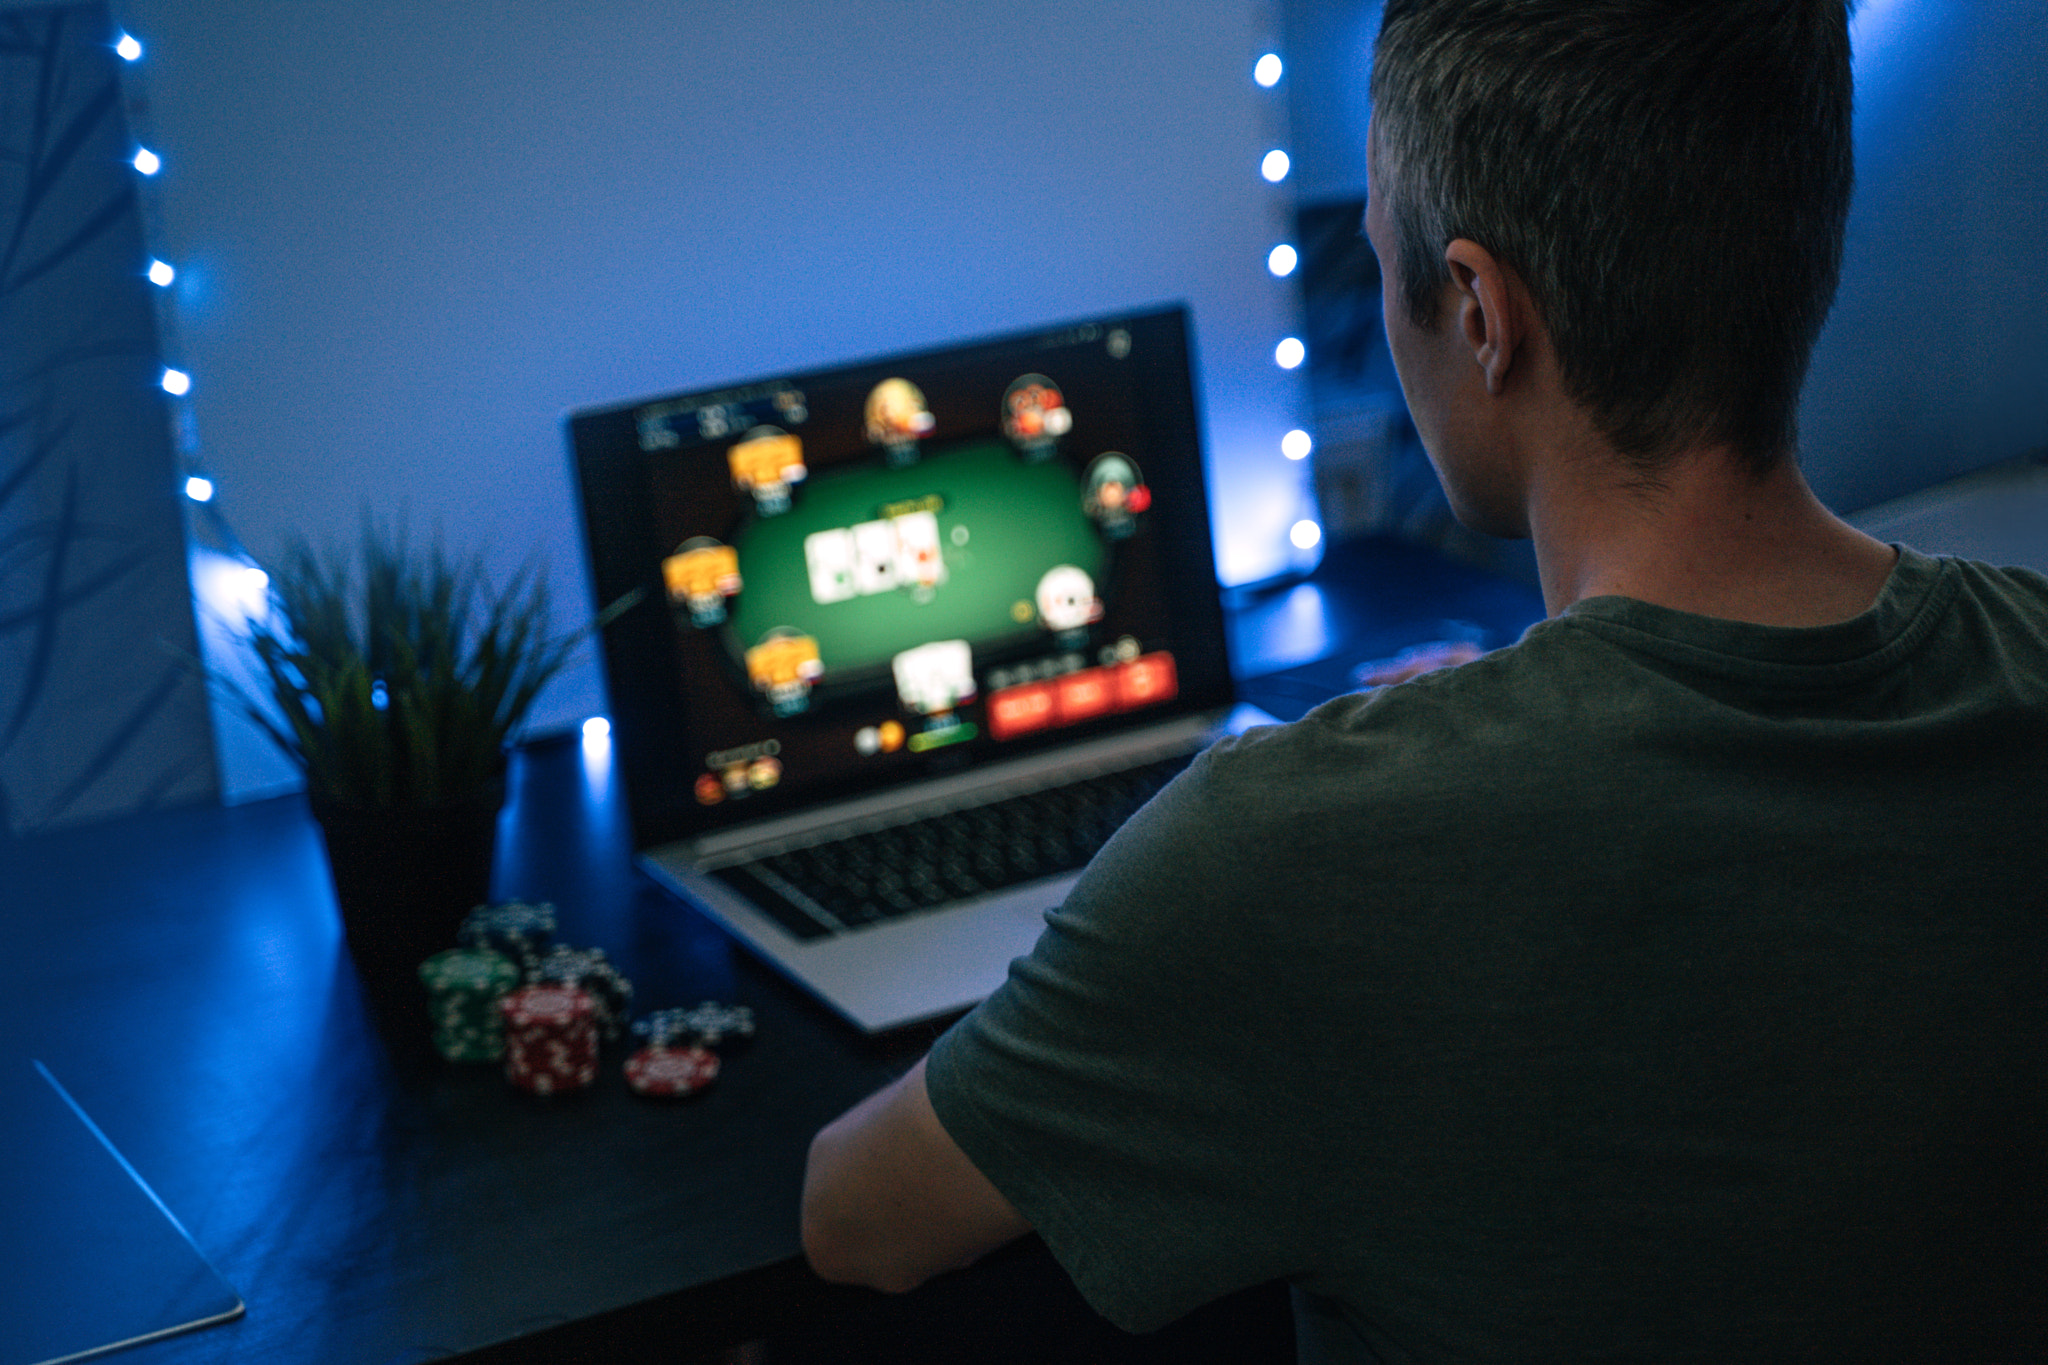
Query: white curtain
{"points": [[100, 712]]}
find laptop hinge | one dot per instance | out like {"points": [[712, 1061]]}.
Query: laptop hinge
{"points": [[960, 791]]}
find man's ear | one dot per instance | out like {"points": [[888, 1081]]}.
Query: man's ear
{"points": [[1486, 310]]}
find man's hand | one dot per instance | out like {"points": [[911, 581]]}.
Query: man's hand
{"points": [[890, 1200]]}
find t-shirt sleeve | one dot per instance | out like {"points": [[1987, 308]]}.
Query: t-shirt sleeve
{"points": [[1112, 1087]]}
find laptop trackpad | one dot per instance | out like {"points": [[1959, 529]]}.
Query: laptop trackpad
{"points": [[923, 966]]}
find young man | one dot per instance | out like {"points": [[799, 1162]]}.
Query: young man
{"points": [[1673, 983]]}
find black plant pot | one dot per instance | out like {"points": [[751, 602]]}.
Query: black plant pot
{"points": [[404, 877]]}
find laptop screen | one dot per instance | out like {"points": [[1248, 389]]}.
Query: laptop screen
{"points": [[855, 577]]}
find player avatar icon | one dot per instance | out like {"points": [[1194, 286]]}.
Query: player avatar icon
{"points": [[765, 462], [784, 667], [934, 679], [700, 575], [1035, 416], [897, 420], [1116, 495], [1067, 604]]}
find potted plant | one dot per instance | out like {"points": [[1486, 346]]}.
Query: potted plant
{"points": [[395, 679]]}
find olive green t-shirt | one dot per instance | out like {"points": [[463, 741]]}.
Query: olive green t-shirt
{"points": [[1659, 987]]}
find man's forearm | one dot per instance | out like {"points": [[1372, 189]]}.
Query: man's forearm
{"points": [[890, 1200]]}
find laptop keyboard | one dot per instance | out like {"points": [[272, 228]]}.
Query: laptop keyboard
{"points": [[869, 878]]}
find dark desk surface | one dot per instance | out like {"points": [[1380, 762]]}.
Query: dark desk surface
{"points": [[183, 975]]}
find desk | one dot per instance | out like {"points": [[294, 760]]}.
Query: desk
{"points": [[183, 975]]}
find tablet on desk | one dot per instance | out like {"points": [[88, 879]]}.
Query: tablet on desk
{"points": [[90, 1259]]}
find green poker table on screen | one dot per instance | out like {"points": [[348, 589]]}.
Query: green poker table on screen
{"points": [[1002, 523]]}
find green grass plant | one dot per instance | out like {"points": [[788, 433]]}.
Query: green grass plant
{"points": [[394, 677]]}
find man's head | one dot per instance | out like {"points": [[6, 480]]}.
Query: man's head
{"points": [[1669, 178]]}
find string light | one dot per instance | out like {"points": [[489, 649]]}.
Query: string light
{"points": [[234, 591], [597, 756], [198, 488], [1281, 262]]}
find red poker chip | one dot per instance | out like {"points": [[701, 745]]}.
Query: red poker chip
{"points": [[671, 1072], [550, 1039], [550, 1075], [546, 1004]]}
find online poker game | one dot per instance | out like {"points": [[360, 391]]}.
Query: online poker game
{"points": [[861, 575]]}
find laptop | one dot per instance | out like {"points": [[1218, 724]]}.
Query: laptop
{"points": [[893, 646]]}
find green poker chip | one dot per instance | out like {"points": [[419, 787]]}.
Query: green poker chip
{"points": [[464, 986]]}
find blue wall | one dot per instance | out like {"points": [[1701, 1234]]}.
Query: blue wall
{"points": [[414, 235], [1935, 361]]}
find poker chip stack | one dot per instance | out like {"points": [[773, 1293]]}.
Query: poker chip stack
{"points": [[724, 1027], [668, 1073], [680, 1057], [511, 992], [588, 968], [550, 1038], [520, 931], [464, 986]]}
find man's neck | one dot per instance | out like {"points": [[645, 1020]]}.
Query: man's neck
{"points": [[1712, 539]]}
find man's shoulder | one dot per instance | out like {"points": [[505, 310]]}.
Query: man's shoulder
{"points": [[1469, 702], [1429, 735], [2021, 589]]}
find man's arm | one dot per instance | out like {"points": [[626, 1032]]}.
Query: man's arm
{"points": [[890, 1200]]}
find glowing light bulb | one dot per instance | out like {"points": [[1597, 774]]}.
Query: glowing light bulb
{"points": [[1267, 70], [177, 383], [1275, 166], [597, 758], [1289, 354], [1296, 444], [200, 489], [234, 590], [131, 49], [146, 161], [1306, 535], [1282, 259], [161, 273]]}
